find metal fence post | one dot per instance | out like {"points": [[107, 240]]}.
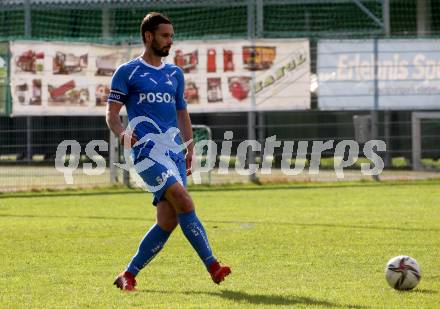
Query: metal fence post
{"points": [[386, 17], [374, 112], [424, 18], [28, 34], [260, 18], [251, 115], [387, 137], [416, 141], [28, 139], [27, 19], [259, 34], [105, 23], [261, 132]]}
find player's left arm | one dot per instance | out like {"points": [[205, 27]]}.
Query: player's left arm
{"points": [[184, 121]]}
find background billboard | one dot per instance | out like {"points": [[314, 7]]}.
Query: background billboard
{"points": [[219, 74], [408, 74], [61, 78], [73, 79]]}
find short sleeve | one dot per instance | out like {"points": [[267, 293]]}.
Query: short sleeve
{"points": [[180, 98], [119, 87]]}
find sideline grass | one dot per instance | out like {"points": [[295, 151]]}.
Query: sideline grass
{"points": [[301, 246]]}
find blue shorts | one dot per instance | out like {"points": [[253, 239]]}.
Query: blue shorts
{"points": [[159, 177]]}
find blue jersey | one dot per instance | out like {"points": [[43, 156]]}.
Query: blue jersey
{"points": [[154, 92]]}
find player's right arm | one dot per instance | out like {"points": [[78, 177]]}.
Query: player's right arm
{"points": [[117, 99], [115, 124]]}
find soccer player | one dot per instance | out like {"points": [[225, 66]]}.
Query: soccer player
{"points": [[152, 91]]}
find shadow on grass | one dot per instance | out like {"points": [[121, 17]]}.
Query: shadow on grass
{"points": [[422, 291], [262, 299], [219, 222]]}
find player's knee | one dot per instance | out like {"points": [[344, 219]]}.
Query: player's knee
{"points": [[183, 202]]}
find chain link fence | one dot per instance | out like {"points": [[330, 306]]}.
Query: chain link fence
{"points": [[32, 166], [28, 144]]}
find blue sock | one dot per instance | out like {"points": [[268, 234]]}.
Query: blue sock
{"points": [[150, 245], [195, 233]]}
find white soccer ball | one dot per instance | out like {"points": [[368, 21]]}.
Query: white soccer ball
{"points": [[403, 273]]}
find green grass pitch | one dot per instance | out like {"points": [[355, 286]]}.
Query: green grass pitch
{"points": [[297, 246]]}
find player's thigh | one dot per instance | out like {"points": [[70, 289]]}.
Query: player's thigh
{"points": [[179, 198], [166, 216]]}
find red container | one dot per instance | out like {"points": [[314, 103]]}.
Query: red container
{"points": [[211, 65], [238, 90], [228, 60]]}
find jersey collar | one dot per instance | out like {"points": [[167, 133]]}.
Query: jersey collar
{"points": [[151, 66]]}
